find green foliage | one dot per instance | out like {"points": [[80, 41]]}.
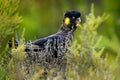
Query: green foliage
{"points": [[85, 58], [9, 17], [15, 65], [3, 75], [9, 22]]}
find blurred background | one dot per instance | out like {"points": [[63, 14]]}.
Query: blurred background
{"points": [[43, 17]]}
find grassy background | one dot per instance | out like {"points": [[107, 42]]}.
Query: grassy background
{"points": [[41, 18]]}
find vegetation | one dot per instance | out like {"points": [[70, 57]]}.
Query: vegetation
{"points": [[9, 22], [95, 51], [86, 59]]}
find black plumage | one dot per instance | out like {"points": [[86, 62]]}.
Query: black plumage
{"points": [[65, 31], [49, 52]]}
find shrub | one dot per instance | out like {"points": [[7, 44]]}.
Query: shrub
{"points": [[86, 60], [9, 22], [85, 57]]}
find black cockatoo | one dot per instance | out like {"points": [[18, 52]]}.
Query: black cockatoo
{"points": [[50, 51]]}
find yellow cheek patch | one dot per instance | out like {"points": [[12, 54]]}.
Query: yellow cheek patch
{"points": [[67, 21]]}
